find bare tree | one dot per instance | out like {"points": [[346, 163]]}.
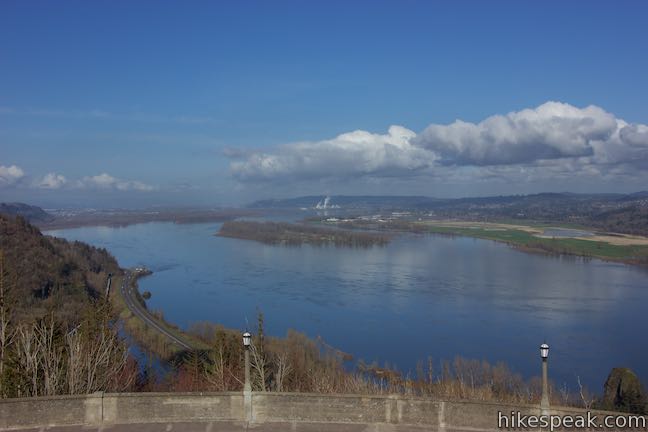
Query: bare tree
{"points": [[282, 370], [564, 394], [74, 373], [585, 396], [50, 355], [105, 359], [215, 370], [96, 360], [259, 368], [6, 332], [28, 358]]}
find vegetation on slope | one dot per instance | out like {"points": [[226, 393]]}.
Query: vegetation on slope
{"points": [[297, 363], [630, 220], [52, 275], [58, 335]]}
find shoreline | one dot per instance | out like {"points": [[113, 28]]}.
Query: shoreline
{"points": [[610, 247], [149, 329], [636, 255]]}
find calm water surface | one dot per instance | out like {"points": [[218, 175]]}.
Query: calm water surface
{"points": [[420, 296]]}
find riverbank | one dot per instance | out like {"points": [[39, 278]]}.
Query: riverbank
{"points": [[614, 247], [587, 247], [149, 329]]}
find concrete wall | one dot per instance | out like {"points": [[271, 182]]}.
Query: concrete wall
{"points": [[295, 409], [50, 411], [172, 407]]}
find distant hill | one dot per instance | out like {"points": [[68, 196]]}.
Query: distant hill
{"points": [[349, 202], [31, 213], [622, 213], [635, 196], [45, 274], [424, 202]]}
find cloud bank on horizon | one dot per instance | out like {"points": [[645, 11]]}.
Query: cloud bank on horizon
{"points": [[15, 176], [552, 142], [553, 139]]}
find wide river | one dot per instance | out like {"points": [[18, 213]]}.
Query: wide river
{"points": [[419, 296]]}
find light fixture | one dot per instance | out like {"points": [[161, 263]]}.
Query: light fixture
{"points": [[247, 338], [544, 351]]}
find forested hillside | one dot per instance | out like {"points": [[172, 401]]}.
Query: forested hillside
{"points": [[47, 274], [58, 334]]}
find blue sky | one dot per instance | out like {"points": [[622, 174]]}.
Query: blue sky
{"points": [[141, 103]]}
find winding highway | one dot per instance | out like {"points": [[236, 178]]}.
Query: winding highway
{"points": [[129, 295]]}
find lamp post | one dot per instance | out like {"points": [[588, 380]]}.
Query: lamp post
{"points": [[247, 339], [544, 354], [247, 387]]}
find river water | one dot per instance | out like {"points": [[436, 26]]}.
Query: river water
{"points": [[419, 296]]}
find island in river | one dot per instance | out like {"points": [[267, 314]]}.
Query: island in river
{"points": [[298, 234]]}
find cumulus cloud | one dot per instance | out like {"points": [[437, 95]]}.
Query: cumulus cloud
{"points": [[108, 182], [10, 174], [353, 154], [627, 145], [52, 181], [551, 131], [552, 140], [634, 135]]}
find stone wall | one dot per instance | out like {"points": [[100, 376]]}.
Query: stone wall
{"points": [[388, 412]]}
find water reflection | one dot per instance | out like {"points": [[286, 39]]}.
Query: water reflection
{"points": [[417, 297]]}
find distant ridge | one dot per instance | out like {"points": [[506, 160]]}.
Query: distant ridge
{"points": [[29, 212], [349, 201], [422, 202], [621, 213]]}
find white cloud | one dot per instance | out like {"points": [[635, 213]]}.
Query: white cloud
{"points": [[14, 176], [551, 131], [52, 181], [106, 181], [553, 140], [10, 174], [353, 154], [628, 144]]}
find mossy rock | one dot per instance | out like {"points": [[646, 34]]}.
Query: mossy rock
{"points": [[623, 392]]}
